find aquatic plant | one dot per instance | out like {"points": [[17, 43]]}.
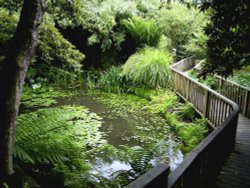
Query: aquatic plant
{"points": [[42, 96]]}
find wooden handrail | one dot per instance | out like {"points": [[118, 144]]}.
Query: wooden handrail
{"points": [[236, 93], [156, 177], [202, 165]]}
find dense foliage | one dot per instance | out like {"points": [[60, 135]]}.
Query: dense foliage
{"points": [[242, 76], [57, 59], [228, 37], [180, 24]]}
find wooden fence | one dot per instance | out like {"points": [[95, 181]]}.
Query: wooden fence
{"points": [[202, 165], [236, 93]]}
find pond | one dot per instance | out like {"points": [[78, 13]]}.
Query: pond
{"points": [[113, 135], [123, 126]]}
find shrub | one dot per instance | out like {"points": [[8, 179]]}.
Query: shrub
{"points": [[187, 112], [148, 68], [164, 43], [57, 60], [56, 50], [143, 31], [242, 76], [191, 134]]}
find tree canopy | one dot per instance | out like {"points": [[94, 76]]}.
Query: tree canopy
{"points": [[228, 37]]}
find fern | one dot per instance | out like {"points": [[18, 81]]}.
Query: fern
{"points": [[142, 31], [140, 159], [57, 136], [39, 134]]}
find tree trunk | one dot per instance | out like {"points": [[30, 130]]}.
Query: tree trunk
{"points": [[12, 77]]}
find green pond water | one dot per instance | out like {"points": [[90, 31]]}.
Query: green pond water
{"points": [[125, 127]]}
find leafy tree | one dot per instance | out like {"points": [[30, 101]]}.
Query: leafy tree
{"points": [[57, 60], [228, 37], [179, 23], [12, 76]]}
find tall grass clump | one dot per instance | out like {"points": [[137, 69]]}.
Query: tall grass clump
{"points": [[110, 80], [148, 68]]}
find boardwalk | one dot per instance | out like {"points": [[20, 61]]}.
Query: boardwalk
{"points": [[236, 172], [201, 166]]}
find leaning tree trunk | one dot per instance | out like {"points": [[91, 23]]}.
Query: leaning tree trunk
{"points": [[12, 76]]}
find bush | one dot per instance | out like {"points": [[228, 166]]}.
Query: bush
{"points": [[148, 68], [143, 31], [57, 60], [191, 134], [56, 50]]}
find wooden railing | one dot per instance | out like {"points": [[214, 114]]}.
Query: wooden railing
{"points": [[236, 93], [156, 177], [202, 165]]}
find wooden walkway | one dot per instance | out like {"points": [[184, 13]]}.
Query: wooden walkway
{"points": [[236, 171]]}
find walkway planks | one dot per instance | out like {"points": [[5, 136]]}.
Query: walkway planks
{"points": [[236, 171]]}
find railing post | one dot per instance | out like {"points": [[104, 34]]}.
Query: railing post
{"points": [[246, 108], [206, 105]]}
